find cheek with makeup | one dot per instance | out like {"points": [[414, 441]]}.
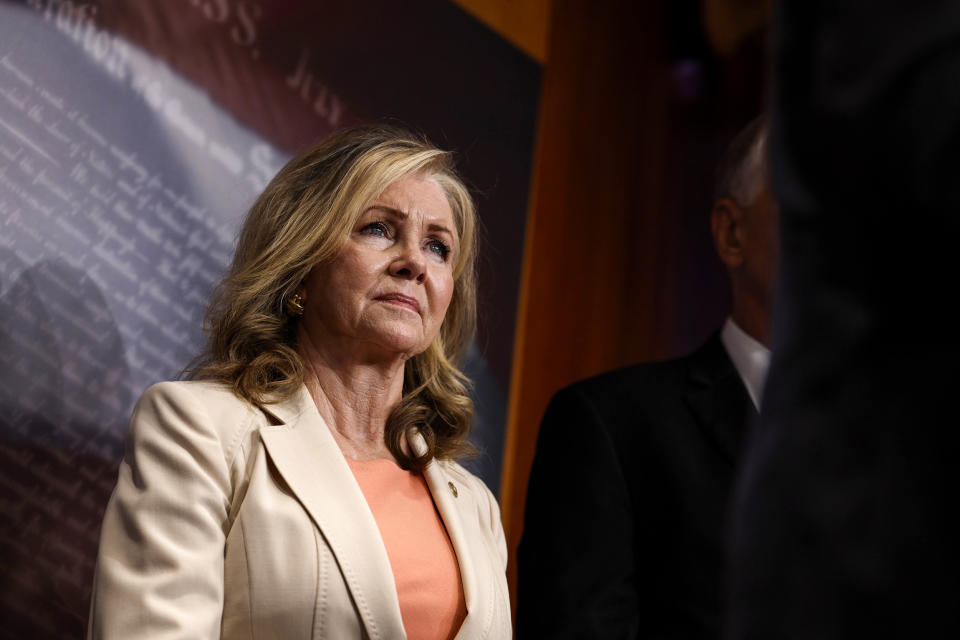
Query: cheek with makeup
{"points": [[389, 287]]}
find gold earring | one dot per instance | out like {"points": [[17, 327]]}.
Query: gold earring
{"points": [[294, 305]]}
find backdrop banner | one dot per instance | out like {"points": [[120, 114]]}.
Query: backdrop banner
{"points": [[133, 138]]}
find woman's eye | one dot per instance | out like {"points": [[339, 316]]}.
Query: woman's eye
{"points": [[376, 229], [439, 248]]}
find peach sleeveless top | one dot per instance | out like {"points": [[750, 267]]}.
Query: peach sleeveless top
{"points": [[424, 563]]}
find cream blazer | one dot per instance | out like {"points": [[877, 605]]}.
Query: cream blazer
{"points": [[235, 521]]}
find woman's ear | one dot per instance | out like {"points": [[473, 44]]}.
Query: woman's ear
{"points": [[727, 225]]}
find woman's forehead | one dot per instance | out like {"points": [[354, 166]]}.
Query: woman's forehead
{"points": [[419, 197]]}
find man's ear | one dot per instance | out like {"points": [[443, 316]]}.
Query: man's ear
{"points": [[726, 223]]}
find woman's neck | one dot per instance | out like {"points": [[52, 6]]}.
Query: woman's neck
{"points": [[353, 396]]}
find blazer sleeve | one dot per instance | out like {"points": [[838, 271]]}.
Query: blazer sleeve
{"points": [[576, 557], [491, 519], [159, 572], [497, 525]]}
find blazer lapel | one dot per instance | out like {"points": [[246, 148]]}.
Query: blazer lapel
{"points": [[717, 398], [310, 462], [451, 502]]}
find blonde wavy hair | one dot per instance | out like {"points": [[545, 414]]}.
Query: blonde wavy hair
{"points": [[302, 220]]}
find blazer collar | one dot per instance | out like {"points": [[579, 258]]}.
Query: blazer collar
{"points": [[310, 461], [454, 498], [717, 397]]}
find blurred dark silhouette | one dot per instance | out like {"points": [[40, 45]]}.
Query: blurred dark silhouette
{"points": [[844, 525]]}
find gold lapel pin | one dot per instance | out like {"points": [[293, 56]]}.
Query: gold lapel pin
{"points": [[453, 490]]}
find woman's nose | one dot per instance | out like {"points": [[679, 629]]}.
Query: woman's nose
{"points": [[410, 263]]}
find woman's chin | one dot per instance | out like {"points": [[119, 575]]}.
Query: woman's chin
{"points": [[399, 345]]}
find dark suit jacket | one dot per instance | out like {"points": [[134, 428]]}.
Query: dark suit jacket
{"points": [[625, 515]]}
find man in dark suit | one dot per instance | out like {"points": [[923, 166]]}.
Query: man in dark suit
{"points": [[626, 509], [845, 524]]}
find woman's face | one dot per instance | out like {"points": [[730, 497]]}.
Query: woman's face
{"points": [[388, 289]]}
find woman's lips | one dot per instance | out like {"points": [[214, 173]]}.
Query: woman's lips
{"points": [[401, 301]]}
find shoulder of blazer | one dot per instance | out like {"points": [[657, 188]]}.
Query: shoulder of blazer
{"points": [[618, 399], [225, 416], [709, 364], [629, 383], [703, 384]]}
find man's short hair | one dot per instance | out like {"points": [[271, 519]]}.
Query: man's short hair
{"points": [[742, 172]]}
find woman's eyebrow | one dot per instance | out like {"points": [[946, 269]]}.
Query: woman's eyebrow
{"points": [[403, 215], [391, 210], [440, 228]]}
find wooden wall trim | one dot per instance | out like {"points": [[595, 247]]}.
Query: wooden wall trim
{"points": [[588, 296], [525, 23]]}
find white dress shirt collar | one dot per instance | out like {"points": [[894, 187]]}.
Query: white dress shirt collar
{"points": [[750, 358]]}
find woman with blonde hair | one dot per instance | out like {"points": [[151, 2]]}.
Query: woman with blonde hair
{"points": [[303, 484]]}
